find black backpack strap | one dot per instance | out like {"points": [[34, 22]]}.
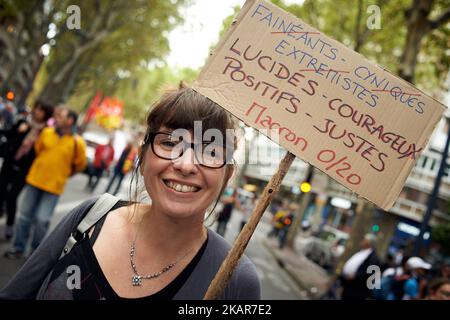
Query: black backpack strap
{"points": [[98, 210]]}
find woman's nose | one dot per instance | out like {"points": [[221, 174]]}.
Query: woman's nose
{"points": [[186, 163]]}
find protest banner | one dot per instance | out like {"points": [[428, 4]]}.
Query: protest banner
{"points": [[327, 104], [331, 107]]}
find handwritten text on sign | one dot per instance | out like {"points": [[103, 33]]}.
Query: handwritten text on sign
{"points": [[330, 106]]}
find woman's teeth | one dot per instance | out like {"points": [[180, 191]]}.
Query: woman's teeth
{"points": [[180, 187]]}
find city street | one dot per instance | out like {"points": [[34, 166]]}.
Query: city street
{"points": [[276, 283], [342, 132]]}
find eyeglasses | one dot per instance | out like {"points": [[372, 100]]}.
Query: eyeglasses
{"points": [[168, 147]]}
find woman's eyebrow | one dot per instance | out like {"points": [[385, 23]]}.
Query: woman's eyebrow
{"points": [[166, 132]]}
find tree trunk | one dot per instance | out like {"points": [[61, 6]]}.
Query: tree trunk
{"points": [[360, 226], [57, 86], [68, 65], [29, 87], [70, 83], [31, 23], [418, 26], [55, 93], [358, 36]]}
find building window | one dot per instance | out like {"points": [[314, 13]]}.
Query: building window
{"points": [[424, 162], [433, 164]]}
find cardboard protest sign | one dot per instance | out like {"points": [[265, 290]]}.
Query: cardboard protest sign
{"points": [[330, 106]]}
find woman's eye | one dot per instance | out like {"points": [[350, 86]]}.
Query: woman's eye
{"points": [[210, 153], [213, 151], [168, 144]]}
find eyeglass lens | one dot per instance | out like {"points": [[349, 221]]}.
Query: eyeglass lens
{"points": [[209, 154]]}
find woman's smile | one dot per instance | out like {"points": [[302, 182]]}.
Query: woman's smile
{"points": [[180, 186]]}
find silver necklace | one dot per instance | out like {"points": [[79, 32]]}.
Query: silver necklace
{"points": [[136, 279]]}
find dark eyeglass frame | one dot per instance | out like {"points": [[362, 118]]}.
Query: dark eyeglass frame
{"points": [[150, 138]]}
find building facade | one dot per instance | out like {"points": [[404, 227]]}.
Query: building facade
{"points": [[334, 205]]}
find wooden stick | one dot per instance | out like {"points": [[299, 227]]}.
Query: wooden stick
{"points": [[222, 277]]}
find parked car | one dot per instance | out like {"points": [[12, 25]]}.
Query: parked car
{"points": [[325, 248], [333, 235]]}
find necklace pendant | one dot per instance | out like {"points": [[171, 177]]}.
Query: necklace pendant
{"points": [[136, 280]]}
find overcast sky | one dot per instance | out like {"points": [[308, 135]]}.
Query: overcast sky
{"points": [[189, 43]]}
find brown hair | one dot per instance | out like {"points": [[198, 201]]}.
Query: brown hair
{"points": [[179, 109], [437, 283], [47, 108]]}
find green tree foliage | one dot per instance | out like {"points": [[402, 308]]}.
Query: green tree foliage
{"points": [[138, 90], [147, 86], [441, 234], [116, 38], [23, 29], [385, 46]]}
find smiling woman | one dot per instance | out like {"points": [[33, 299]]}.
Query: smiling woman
{"points": [[151, 251]]}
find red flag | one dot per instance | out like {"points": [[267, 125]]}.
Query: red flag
{"points": [[93, 107]]}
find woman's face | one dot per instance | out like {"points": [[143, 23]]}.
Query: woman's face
{"points": [[442, 293], [38, 114], [181, 188]]}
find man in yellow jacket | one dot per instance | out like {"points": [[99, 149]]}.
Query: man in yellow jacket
{"points": [[59, 154]]}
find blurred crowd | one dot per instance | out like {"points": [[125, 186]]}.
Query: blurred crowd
{"points": [[282, 213], [40, 149], [364, 275]]}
